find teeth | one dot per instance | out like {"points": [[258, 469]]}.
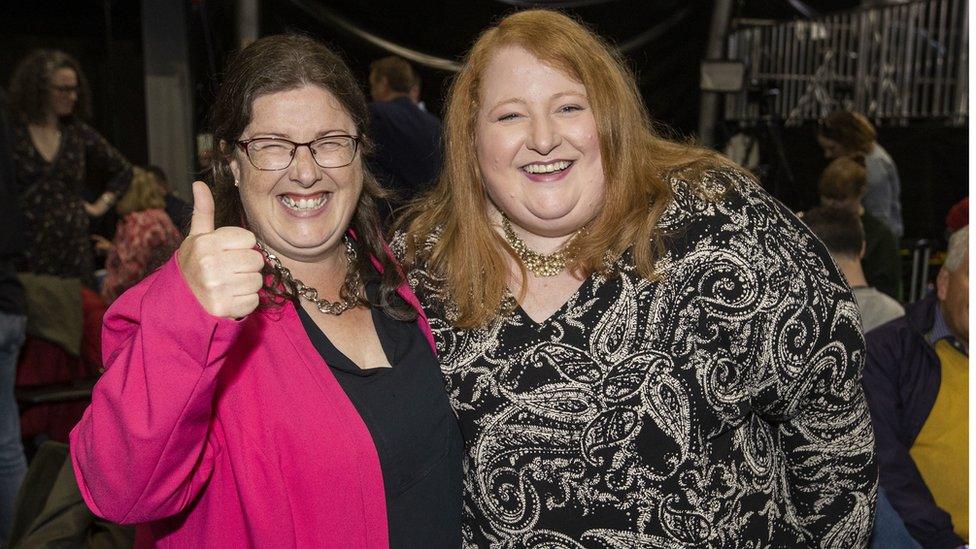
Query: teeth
{"points": [[303, 203], [547, 168]]}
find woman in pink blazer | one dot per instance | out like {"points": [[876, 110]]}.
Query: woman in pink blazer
{"points": [[275, 384]]}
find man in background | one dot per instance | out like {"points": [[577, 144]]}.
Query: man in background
{"points": [[916, 379], [842, 233], [407, 139]]}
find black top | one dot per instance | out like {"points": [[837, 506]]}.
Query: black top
{"points": [[51, 197], [12, 300], [718, 406], [416, 433]]}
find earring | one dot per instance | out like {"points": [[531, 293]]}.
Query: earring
{"points": [[237, 183]]}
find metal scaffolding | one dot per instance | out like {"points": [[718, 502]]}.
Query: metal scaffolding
{"points": [[896, 64]]}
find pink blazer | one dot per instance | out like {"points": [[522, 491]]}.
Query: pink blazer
{"points": [[222, 433]]}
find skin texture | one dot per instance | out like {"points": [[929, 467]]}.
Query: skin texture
{"points": [[299, 115], [953, 291], [531, 113]]}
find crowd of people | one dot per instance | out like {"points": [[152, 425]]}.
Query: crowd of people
{"points": [[537, 324]]}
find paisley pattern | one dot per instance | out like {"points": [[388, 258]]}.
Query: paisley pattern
{"points": [[719, 407]]}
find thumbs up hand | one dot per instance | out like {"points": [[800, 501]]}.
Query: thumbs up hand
{"points": [[221, 266]]}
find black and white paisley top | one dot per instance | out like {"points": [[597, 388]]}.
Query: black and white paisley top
{"points": [[719, 407]]}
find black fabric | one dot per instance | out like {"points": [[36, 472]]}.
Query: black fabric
{"points": [[407, 143], [180, 212], [416, 433], [12, 300], [881, 262]]}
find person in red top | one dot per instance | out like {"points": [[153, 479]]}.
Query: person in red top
{"points": [[144, 239]]}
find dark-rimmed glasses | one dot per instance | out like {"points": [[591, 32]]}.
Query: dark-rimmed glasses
{"points": [[275, 153]]}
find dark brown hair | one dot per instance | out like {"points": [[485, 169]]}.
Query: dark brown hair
{"points": [[838, 228], [637, 161], [30, 85], [852, 130], [398, 73], [281, 63]]}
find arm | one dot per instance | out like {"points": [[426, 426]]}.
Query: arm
{"points": [[103, 156], [900, 478], [143, 450], [806, 383]]}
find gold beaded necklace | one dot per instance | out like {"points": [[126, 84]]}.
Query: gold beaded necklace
{"points": [[541, 264]]}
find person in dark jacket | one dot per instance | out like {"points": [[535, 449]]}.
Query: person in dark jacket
{"points": [[13, 326], [407, 139], [916, 380]]}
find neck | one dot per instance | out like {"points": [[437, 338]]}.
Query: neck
{"points": [[395, 95], [50, 121], [539, 244], [326, 274], [852, 270]]}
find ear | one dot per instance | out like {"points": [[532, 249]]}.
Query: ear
{"points": [[942, 283], [864, 250], [235, 167]]}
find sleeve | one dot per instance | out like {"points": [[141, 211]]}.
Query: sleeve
{"points": [[902, 482], [806, 381], [102, 155], [143, 449]]}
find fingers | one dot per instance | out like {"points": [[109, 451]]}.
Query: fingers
{"points": [[203, 209], [243, 261]]}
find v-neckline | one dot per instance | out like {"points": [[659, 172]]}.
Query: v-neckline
{"points": [[573, 297], [57, 151]]}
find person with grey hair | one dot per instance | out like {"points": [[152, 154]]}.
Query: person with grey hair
{"points": [[917, 384]]}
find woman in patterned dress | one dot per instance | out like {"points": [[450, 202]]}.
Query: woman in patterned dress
{"points": [[54, 150], [644, 349], [144, 238]]}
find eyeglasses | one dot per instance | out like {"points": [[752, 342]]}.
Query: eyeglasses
{"points": [[274, 153], [65, 89]]}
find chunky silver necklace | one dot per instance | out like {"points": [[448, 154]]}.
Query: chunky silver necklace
{"points": [[353, 284], [540, 264]]}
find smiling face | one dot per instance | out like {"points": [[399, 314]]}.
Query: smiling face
{"points": [[63, 92], [537, 145], [300, 212]]}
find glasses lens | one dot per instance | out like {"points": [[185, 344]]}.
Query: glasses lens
{"points": [[270, 154], [334, 151]]}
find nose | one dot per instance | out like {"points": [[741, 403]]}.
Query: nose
{"points": [[303, 169], [543, 135]]}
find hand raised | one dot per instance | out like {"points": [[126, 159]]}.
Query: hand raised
{"points": [[221, 266]]}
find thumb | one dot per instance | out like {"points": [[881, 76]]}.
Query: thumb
{"points": [[203, 209]]}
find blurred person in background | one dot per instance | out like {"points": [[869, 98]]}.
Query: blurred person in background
{"points": [[846, 133], [178, 210], [840, 230], [13, 328], [53, 150], [917, 383], [144, 239], [406, 138], [843, 184]]}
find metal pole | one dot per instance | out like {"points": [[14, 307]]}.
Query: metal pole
{"points": [[718, 31], [247, 22]]}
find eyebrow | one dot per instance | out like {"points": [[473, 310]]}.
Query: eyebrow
{"points": [[523, 101], [319, 135]]}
